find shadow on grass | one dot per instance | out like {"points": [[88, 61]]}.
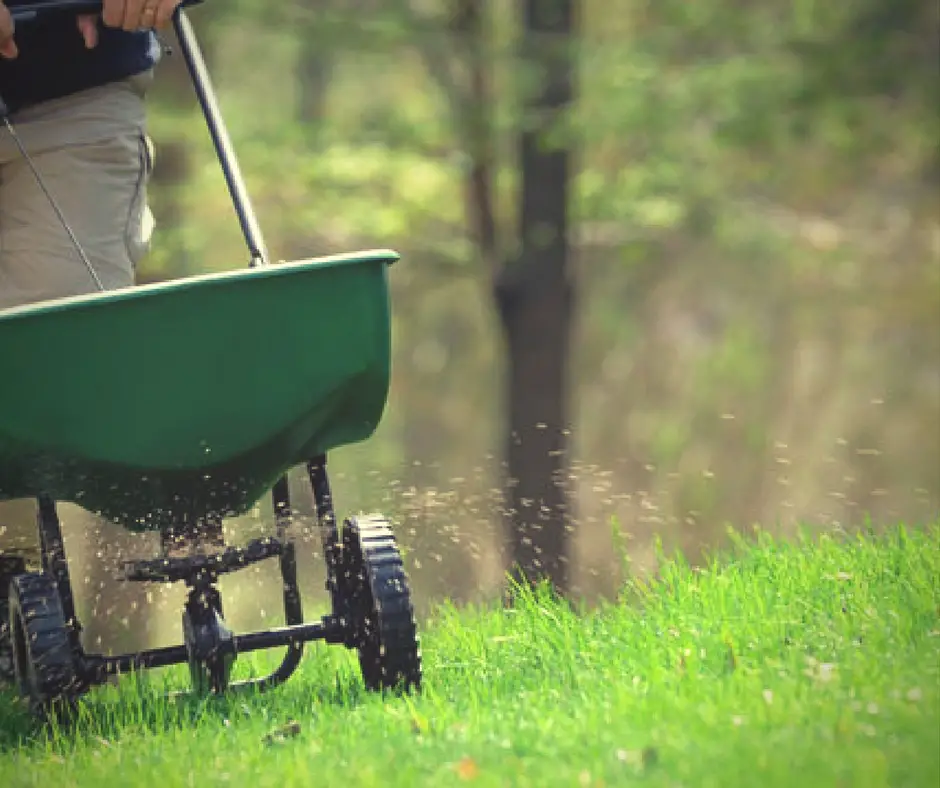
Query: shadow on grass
{"points": [[144, 704]]}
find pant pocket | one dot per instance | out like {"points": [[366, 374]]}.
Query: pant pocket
{"points": [[140, 222]]}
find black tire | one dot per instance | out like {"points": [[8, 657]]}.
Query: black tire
{"points": [[43, 661], [10, 567], [378, 609]]}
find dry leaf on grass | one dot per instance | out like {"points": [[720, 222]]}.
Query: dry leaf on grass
{"points": [[281, 734], [467, 768]]}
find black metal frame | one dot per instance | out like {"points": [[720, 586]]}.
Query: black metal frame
{"points": [[96, 668]]}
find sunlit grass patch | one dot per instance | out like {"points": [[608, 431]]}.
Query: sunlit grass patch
{"points": [[807, 663]]}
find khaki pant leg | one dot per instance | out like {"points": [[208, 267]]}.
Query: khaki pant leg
{"points": [[95, 159]]}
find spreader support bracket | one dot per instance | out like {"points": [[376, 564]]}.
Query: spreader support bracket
{"points": [[191, 568]]}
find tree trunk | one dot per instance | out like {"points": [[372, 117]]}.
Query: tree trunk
{"points": [[535, 300], [314, 74], [532, 289]]}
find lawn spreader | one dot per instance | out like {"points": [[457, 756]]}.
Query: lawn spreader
{"points": [[167, 407]]}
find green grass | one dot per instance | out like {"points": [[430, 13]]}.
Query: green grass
{"points": [[813, 663]]}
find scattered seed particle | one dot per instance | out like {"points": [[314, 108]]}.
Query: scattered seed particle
{"points": [[826, 671]]}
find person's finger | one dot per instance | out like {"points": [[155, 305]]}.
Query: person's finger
{"points": [[88, 27], [133, 15], [112, 12], [165, 12], [8, 48]]}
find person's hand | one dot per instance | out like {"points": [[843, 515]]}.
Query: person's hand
{"points": [[8, 48], [128, 15], [138, 14]]}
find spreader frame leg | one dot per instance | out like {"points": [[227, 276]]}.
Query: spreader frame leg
{"points": [[293, 607], [329, 531], [56, 565]]}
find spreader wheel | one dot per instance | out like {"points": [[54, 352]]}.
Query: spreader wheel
{"points": [[379, 613], [10, 567], [43, 662]]}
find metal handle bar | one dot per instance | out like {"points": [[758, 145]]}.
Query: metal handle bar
{"points": [[202, 83]]}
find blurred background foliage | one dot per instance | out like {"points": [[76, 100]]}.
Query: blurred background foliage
{"points": [[755, 247]]}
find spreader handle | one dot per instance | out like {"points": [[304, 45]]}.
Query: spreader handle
{"points": [[205, 92], [32, 11]]}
